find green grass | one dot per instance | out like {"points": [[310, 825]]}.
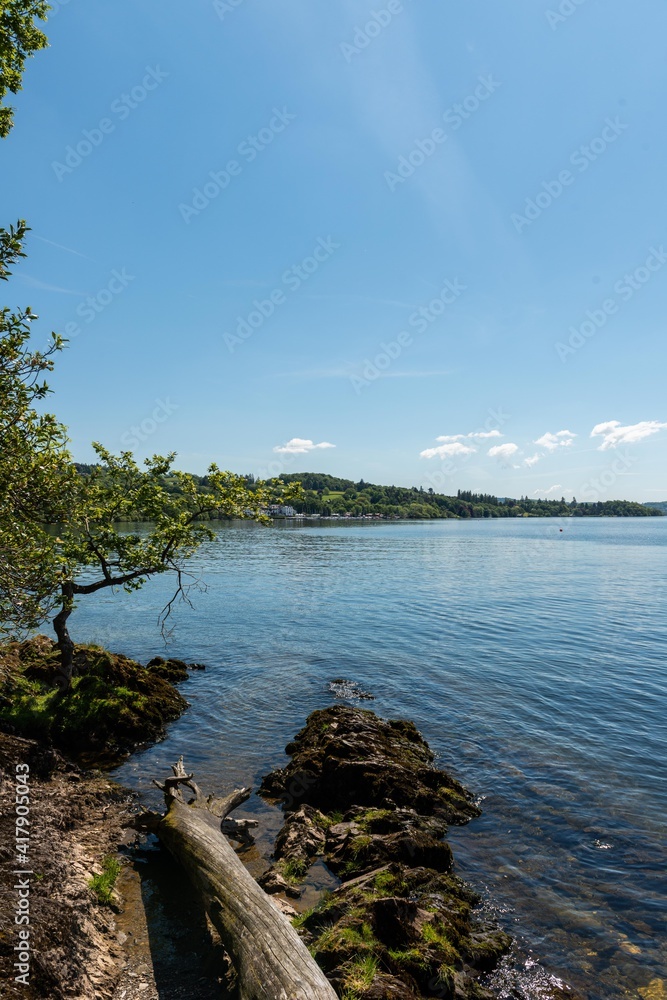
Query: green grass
{"points": [[408, 956], [103, 884], [385, 883], [434, 933], [293, 870], [360, 844], [326, 821], [359, 977], [91, 701], [372, 816], [113, 701]]}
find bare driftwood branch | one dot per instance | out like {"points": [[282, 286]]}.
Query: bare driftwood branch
{"points": [[271, 960]]}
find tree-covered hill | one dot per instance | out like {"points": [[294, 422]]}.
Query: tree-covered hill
{"points": [[330, 495], [659, 505]]}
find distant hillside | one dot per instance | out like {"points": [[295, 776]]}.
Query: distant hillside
{"points": [[660, 505], [329, 495]]}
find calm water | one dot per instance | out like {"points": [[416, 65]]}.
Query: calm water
{"points": [[533, 660]]}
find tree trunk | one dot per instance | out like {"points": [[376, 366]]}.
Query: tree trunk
{"points": [[271, 960], [65, 644]]}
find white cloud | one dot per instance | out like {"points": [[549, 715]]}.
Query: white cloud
{"points": [[561, 439], [300, 446], [503, 450], [447, 450], [450, 444], [552, 489], [533, 460], [613, 433]]}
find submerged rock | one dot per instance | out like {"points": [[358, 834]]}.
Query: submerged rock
{"points": [[349, 691], [172, 670]]}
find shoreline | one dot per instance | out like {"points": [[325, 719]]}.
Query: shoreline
{"points": [[82, 817]]}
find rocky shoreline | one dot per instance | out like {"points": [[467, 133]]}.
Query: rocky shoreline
{"points": [[364, 795], [361, 795], [78, 818]]}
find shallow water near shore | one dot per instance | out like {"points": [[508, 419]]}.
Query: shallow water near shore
{"points": [[533, 661]]}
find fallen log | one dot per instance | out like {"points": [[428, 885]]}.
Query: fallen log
{"points": [[271, 961]]}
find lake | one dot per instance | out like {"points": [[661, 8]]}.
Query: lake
{"points": [[533, 661]]}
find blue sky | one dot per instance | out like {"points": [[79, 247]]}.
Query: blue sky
{"points": [[384, 239]]}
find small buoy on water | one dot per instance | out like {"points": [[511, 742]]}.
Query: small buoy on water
{"points": [[560, 529]]}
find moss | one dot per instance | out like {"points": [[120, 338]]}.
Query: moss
{"points": [[302, 918], [484, 951], [388, 884], [376, 820], [113, 705], [103, 884]]}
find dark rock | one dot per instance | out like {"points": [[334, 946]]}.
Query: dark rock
{"points": [[173, 671], [273, 881], [364, 792], [485, 948], [417, 928], [349, 691], [394, 920], [349, 849], [347, 757], [302, 836]]}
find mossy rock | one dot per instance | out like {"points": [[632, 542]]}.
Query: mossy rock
{"points": [[347, 757], [415, 926], [114, 705], [173, 671]]}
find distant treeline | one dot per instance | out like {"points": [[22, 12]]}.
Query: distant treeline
{"points": [[328, 495], [659, 505]]}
